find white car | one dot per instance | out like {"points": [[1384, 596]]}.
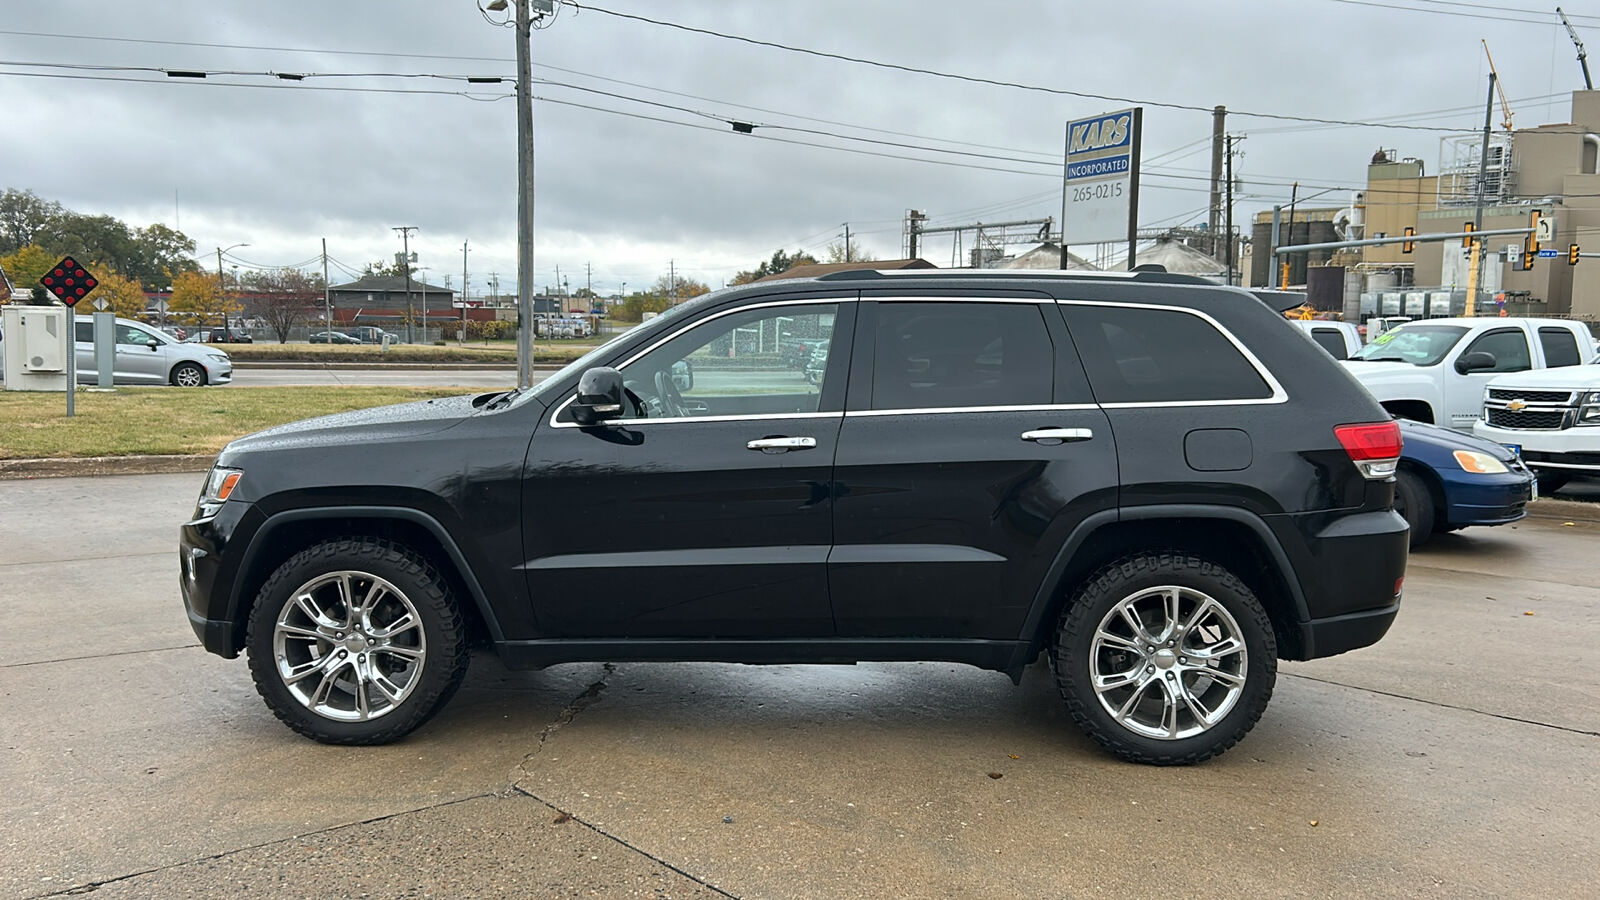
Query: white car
{"points": [[147, 355], [1340, 339], [1552, 417]]}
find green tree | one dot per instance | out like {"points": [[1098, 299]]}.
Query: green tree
{"points": [[198, 298], [779, 263], [24, 218], [106, 240], [680, 288], [389, 269], [158, 255]]}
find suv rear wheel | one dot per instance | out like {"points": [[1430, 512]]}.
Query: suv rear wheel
{"points": [[1165, 658], [356, 641]]}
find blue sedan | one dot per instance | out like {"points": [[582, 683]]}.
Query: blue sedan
{"points": [[1448, 480]]}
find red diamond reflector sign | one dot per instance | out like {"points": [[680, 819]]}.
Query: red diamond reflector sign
{"points": [[69, 281]]}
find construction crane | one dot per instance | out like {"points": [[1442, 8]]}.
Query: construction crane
{"points": [[1505, 105], [1583, 57]]}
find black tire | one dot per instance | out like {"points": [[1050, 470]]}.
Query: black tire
{"points": [[1550, 482], [1414, 504], [188, 374], [424, 686], [1075, 657]]}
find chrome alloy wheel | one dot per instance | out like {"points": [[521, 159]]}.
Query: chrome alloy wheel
{"points": [[1168, 662], [189, 376], [349, 646]]}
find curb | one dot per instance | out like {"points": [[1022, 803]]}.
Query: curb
{"points": [[68, 467], [1566, 510], [403, 366]]}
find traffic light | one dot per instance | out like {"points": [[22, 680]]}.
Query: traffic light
{"points": [[1466, 242], [1532, 245], [1408, 246], [1528, 256], [1572, 255]]}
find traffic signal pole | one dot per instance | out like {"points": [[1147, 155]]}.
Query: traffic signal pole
{"points": [[1477, 215]]}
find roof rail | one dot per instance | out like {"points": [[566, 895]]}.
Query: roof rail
{"points": [[1146, 276]]}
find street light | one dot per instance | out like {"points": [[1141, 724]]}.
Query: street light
{"points": [[221, 285]]}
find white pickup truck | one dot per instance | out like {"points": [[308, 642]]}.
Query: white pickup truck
{"points": [[1436, 370], [1552, 417]]}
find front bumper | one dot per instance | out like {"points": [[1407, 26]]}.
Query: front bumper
{"points": [[207, 573], [1488, 499], [1572, 450]]}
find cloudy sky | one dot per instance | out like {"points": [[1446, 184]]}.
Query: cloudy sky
{"points": [[637, 167]]}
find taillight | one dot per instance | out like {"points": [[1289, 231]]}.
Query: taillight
{"points": [[1374, 447]]}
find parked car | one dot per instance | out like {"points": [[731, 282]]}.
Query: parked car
{"points": [[333, 337], [147, 355], [371, 334], [1448, 480], [1550, 417], [1165, 503], [1435, 370]]}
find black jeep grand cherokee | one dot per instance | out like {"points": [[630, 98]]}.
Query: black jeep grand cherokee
{"points": [[1154, 480]]}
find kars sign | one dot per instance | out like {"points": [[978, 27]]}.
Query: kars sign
{"points": [[1100, 199]]}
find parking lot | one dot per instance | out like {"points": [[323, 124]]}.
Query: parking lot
{"points": [[1458, 757]]}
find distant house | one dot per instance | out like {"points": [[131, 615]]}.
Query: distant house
{"points": [[384, 297]]}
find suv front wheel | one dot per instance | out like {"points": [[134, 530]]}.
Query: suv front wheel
{"points": [[356, 641], [1165, 658]]}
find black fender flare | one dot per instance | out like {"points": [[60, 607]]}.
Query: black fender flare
{"points": [[1045, 596], [416, 517]]}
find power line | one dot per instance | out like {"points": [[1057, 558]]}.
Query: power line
{"points": [[995, 82], [1470, 15], [469, 95]]}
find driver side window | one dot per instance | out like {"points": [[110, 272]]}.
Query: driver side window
{"points": [[1509, 346], [768, 361]]}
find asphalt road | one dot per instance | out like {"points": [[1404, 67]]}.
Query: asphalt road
{"points": [[1456, 758], [443, 376]]}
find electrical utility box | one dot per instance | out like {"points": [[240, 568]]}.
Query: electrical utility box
{"points": [[34, 343]]}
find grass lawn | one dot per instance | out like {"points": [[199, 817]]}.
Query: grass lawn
{"points": [[162, 420]]}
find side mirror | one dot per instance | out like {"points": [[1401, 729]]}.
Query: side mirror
{"points": [[599, 396], [1475, 361], [683, 375], [152, 343]]}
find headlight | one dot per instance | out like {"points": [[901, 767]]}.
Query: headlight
{"points": [[1593, 397], [219, 357], [1479, 463], [220, 485], [1589, 415]]}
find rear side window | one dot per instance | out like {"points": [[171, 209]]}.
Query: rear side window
{"points": [[934, 355], [1330, 340], [1141, 355], [1560, 347]]}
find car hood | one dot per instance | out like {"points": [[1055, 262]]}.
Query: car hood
{"points": [[1383, 379], [1448, 440], [1569, 378], [382, 423]]}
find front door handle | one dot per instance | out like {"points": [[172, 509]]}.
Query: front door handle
{"points": [[781, 444], [1065, 435]]}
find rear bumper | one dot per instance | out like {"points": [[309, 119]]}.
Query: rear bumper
{"points": [[1350, 568]]}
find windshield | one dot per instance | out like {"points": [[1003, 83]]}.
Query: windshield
{"points": [[1419, 345]]}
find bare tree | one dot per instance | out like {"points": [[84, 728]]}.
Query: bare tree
{"points": [[284, 298]]}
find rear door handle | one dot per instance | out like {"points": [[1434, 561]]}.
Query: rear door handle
{"points": [[1065, 435], [782, 444]]}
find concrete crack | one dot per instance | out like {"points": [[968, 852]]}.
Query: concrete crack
{"points": [[1443, 705], [586, 698], [45, 662], [614, 838]]}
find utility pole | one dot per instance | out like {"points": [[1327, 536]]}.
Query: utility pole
{"points": [[405, 263], [463, 292], [847, 242], [1294, 195], [588, 280], [327, 296], [524, 197], [1477, 216], [672, 282], [1228, 224], [1272, 262], [1219, 118]]}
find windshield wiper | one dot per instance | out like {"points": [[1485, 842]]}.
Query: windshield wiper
{"points": [[502, 399]]}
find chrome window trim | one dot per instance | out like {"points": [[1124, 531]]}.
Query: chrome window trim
{"points": [[676, 420], [814, 301], [917, 298], [941, 410], [1278, 395]]}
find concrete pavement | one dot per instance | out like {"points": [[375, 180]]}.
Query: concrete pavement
{"points": [[1457, 757]]}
